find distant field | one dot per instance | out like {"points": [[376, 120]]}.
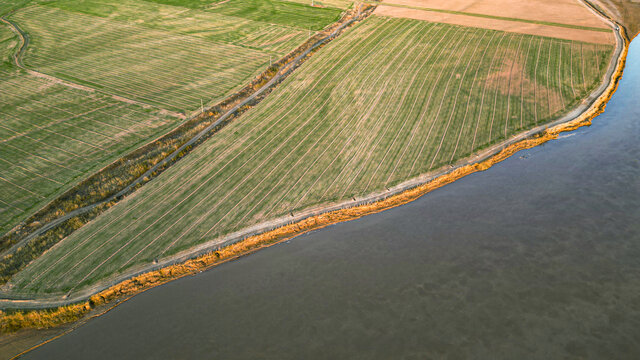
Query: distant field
{"points": [[168, 56], [51, 135], [627, 12], [278, 12], [258, 4], [385, 102], [562, 19], [570, 12], [9, 5], [341, 4]]}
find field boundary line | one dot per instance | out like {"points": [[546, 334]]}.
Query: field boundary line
{"points": [[20, 187], [31, 171]]}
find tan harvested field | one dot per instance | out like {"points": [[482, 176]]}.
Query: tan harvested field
{"points": [[570, 12], [595, 37]]}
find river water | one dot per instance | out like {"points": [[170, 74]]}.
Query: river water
{"points": [[537, 258]]}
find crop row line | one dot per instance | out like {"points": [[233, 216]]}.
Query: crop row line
{"points": [[365, 116], [469, 97], [395, 115], [513, 65]]}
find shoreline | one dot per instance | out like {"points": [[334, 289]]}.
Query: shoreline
{"points": [[264, 235]]}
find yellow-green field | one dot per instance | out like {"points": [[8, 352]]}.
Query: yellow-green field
{"points": [[52, 135], [169, 56], [139, 62]]}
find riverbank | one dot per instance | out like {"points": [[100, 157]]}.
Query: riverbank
{"points": [[382, 202]]}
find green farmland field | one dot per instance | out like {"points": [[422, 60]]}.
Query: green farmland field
{"points": [[387, 101], [52, 135], [8, 42], [162, 57]]}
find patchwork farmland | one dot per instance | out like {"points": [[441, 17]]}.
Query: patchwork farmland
{"points": [[141, 51], [52, 135], [112, 75], [389, 100]]}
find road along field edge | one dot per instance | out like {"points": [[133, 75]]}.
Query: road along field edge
{"points": [[47, 313], [66, 213]]}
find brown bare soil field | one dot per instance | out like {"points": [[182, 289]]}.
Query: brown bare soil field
{"points": [[503, 25], [627, 12], [570, 12]]}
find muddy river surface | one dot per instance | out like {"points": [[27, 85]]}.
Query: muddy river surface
{"points": [[536, 258]]}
